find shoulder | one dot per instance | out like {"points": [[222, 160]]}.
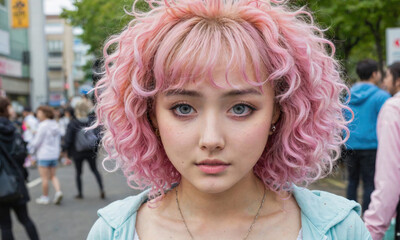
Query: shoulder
{"points": [[315, 201], [382, 94], [117, 215], [326, 214], [392, 104]]}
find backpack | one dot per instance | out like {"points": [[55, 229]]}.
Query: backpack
{"points": [[18, 150], [85, 140]]}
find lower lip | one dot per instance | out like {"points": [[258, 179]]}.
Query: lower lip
{"points": [[212, 169]]}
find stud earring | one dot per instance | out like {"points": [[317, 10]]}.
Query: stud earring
{"points": [[157, 132], [273, 128]]}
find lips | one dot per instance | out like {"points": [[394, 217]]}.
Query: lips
{"points": [[212, 166]]}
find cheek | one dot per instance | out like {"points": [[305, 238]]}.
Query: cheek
{"points": [[177, 141], [251, 141]]}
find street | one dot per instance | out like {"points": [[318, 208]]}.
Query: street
{"points": [[74, 218]]}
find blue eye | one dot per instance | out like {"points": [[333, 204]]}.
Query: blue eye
{"points": [[242, 110], [183, 109]]}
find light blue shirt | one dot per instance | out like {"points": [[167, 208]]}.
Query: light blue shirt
{"points": [[324, 216]]}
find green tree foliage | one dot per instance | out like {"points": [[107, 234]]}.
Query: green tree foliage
{"points": [[357, 27], [100, 19]]}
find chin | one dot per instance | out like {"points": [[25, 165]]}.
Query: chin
{"points": [[213, 187]]}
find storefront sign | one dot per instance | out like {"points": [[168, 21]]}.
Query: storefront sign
{"points": [[55, 99], [20, 13], [10, 67], [392, 45]]}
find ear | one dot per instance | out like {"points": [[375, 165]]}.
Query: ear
{"points": [[276, 114], [375, 76], [397, 83], [153, 120], [152, 115], [275, 117]]}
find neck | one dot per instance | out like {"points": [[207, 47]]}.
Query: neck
{"points": [[243, 198], [371, 81]]}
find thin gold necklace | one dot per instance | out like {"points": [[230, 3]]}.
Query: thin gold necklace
{"points": [[248, 231]]}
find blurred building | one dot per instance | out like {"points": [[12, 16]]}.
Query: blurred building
{"points": [[14, 59], [59, 36], [81, 59]]}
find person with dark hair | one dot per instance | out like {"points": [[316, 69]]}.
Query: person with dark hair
{"points": [[8, 136], [366, 101], [385, 198], [47, 146]]}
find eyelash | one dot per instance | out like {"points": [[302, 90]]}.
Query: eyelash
{"points": [[251, 107]]}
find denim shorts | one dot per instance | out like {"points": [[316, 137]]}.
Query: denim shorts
{"points": [[47, 163]]}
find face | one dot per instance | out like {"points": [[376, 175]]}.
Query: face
{"points": [[388, 82], [215, 136], [40, 115], [376, 77], [11, 112]]}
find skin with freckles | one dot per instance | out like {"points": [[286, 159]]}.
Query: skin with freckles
{"points": [[231, 125]]}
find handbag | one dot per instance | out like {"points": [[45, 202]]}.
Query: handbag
{"points": [[9, 181]]}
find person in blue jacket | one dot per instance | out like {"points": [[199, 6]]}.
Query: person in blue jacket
{"points": [[218, 110], [366, 101]]}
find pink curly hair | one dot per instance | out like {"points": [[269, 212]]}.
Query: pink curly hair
{"points": [[163, 48]]}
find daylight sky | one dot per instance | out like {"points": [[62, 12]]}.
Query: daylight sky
{"points": [[53, 7]]}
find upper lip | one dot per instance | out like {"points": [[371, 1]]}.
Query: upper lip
{"points": [[212, 162]]}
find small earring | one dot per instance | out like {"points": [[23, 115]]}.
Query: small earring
{"points": [[157, 132], [273, 128]]}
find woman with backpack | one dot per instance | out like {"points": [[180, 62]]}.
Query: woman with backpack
{"points": [[81, 145], [9, 140]]}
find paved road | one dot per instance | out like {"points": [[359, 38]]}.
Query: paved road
{"points": [[73, 218]]}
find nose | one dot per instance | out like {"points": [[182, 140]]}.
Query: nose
{"points": [[211, 134]]}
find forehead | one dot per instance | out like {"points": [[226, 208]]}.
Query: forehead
{"points": [[222, 79]]}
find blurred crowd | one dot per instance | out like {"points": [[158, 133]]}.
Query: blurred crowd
{"points": [[43, 139]]}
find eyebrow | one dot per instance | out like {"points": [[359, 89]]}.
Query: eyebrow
{"points": [[192, 93]]}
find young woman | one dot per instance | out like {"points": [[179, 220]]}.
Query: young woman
{"points": [[220, 107], [46, 146]]}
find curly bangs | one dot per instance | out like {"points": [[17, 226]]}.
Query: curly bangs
{"points": [[163, 48]]}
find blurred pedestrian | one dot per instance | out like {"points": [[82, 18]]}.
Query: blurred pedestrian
{"points": [[219, 108], [67, 116], [366, 101], [46, 146], [385, 198], [8, 140], [29, 128], [75, 133], [29, 124]]}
